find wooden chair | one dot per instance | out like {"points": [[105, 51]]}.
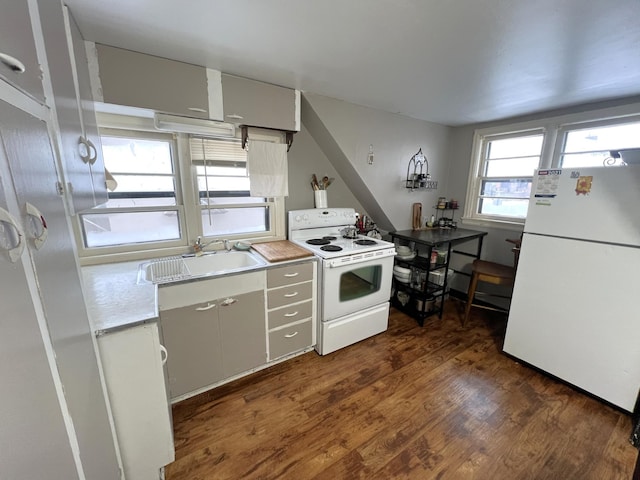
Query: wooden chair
{"points": [[493, 273]]}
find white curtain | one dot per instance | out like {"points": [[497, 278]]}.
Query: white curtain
{"points": [[267, 166]]}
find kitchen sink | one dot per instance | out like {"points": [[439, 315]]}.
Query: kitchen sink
{"points": [[220, 263], [173, 269]]}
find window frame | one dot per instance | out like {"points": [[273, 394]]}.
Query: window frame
{"points": [[556, 129], [565, 129], [481, 140], [269, 203], [187, 201], [110, 250]]}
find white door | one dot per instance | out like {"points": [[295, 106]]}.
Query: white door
{"points": [[574, 314]]}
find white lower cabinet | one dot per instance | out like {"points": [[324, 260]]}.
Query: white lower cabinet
{"points": [[291, 308], [132, 361], [218, 329], [192, 335], [213, 329], [242, 333], [214, 340]]}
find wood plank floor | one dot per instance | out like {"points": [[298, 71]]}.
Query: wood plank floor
{"points": [[437, 402]]}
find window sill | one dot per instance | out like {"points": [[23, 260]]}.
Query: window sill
{"points": [[491, 223]]}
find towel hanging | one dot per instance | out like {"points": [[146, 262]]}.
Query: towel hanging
{"points": [[267, 167]]}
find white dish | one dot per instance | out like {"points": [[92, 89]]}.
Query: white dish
{"points": [[402, 250], [411, 256], [401, 270], [242, 245]]}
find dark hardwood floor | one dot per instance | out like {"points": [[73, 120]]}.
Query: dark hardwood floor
{"points": [[437, 402]]}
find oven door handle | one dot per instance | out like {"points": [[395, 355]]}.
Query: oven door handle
{"points": [[359, 258]]}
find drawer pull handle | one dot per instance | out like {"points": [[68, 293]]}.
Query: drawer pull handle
{"points": [[295, 274], [291, 335], [208, 307], [291, 314], [289, 295]]}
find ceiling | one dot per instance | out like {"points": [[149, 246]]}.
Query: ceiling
{"points": [[452, 62]]}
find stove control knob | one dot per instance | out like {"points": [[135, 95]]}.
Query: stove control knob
{"points": [[305, 217], [298, 218]]}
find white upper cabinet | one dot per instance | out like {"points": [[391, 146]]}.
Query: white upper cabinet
{"points": [[135, 79], [18, 56], [138, 80], [80, 146], [258, 104]]}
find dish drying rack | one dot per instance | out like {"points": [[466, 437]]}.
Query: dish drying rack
{"points": [[168, 269]]}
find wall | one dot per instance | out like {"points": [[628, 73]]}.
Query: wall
{"points": [[344, 131], [305, 158]]}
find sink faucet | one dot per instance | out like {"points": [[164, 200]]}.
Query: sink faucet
{"points": [[198, 246]]}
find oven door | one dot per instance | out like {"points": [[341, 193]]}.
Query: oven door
{"points": [[355, 283]]}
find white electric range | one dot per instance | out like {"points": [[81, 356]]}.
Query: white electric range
{"points": [[354, 278]]}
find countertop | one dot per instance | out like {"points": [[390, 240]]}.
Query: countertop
{"points": [[115, 300], [438, 236]]}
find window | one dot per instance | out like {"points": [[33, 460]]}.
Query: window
{"points": [[226, 206], [145, 208], [504, 158], [505, 173], [592, 146]]}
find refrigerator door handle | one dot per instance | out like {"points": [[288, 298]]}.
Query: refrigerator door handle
{"points": [[11, 237]]}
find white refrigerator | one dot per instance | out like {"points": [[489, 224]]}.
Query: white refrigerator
{"points": [[575, 311]]}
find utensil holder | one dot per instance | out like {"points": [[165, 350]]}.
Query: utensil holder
{"points": [[320, 197]]}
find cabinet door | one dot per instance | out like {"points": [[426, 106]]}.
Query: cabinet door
{"points": [[16, 41], [192, 338], [243, 332], [138, 80], [87, 109], [84, 193], [30, 413], [258, 104], [133, 370], [28, 149]]}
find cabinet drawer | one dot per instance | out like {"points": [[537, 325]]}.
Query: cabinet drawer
{"points": [[279, 297], [290, 339], [289, 314], [300, 272]]}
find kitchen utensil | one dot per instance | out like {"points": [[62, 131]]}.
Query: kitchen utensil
{"points": [[281, 250], [314, 182], [325, 182], [349, 232], [416, 216]]}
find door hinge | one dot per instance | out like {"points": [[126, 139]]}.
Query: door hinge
{"points": [[60, 188]]}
